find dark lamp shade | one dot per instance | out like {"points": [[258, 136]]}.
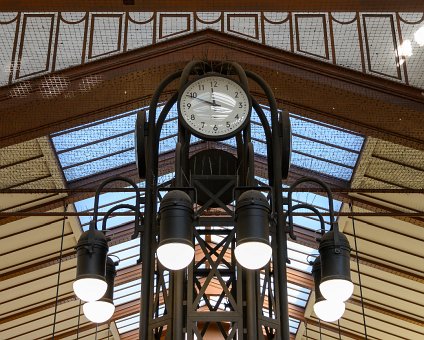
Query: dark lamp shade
{"points": [[102, 310], [90, 283], [325, 310], [175, 250], [336, 283], [252, 226]]}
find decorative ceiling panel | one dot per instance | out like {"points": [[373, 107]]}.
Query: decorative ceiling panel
{"points": [[381, 44], [389, 165]]}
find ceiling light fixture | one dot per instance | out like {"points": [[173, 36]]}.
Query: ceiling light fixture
{"points": [[252, 228], [326, 310], [92, 248], [334, 250], [102, 310], [419, 36], [405, 50], [175, 250]]}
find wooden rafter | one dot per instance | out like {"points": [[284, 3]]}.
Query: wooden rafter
{"points": [[216, 5], [336, 95]]}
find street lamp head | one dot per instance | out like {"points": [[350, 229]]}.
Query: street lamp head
{"points": [[92, 248], [176, 249], [103, 309], [326, 310], [336, 283], [252, 227]]}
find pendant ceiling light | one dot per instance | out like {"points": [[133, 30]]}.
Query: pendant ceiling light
{"points": [[325, 310], [252, 227], [334, 250], [176, 249], [103, 309], [92, 248]]}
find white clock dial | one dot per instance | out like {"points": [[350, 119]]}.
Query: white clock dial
{"points": [[214, 107]]}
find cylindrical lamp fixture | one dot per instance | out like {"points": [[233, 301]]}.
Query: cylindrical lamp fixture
{"points": [[252, 227], [326, 310], [176, 249], [103, 309], [92, 248], [336, 283]]}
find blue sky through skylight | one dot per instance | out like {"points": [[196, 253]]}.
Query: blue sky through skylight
{"points": [[109, 143]]}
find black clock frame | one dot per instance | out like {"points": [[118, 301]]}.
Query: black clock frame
{"points": [[207, 137], [249, 322]]}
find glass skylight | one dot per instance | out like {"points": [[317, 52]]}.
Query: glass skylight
{"points": [[106, 201], [293, 325], [315, 146], [128, 323], [297, 295], [127, 252], [127, 292], [298, 255], [109, 143]]}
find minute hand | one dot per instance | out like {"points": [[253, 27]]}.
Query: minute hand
{"points": [[208, 102]]}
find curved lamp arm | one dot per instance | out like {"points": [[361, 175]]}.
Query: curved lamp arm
{"points": [[113, 209], [93, 223], [334, 224], [310, 207]]}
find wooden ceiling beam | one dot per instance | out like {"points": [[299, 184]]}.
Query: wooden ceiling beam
{"points": [[336, 95], [214, 6]]}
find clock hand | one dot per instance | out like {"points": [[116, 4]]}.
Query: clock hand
{"points": [[207, 101]]}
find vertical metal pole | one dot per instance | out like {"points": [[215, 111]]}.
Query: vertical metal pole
{"points": [[146, 255], [181, 168], [251, 310], [278, 208], [150, 211], [178, 315]]}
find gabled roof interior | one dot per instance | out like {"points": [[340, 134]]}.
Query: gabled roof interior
{"points": [[65, 78]]}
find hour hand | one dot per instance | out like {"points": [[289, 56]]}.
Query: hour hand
{"points": [[208, 102]]}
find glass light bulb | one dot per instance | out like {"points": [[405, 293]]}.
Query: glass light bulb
{"points": [[419, 36], [98, 311], [253, 255], [405, 50], [89, 289], [329, 311], [337, 289], [175, 256]]}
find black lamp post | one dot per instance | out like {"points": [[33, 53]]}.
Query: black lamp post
{"points": [[256, 230]]}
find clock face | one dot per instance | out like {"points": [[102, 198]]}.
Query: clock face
{"points": [[214, 107]]}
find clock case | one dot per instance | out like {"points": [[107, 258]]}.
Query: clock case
{"points": [[207, 137]]}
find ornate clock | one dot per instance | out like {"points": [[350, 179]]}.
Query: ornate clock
{"points": [[214, 107]]}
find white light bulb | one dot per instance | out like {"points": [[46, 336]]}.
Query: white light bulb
{"points": [[175, 256], [253, 255], [329, 311], [405, 50], [89, 289], [98, 311], [419, 36], [336, 290]]}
